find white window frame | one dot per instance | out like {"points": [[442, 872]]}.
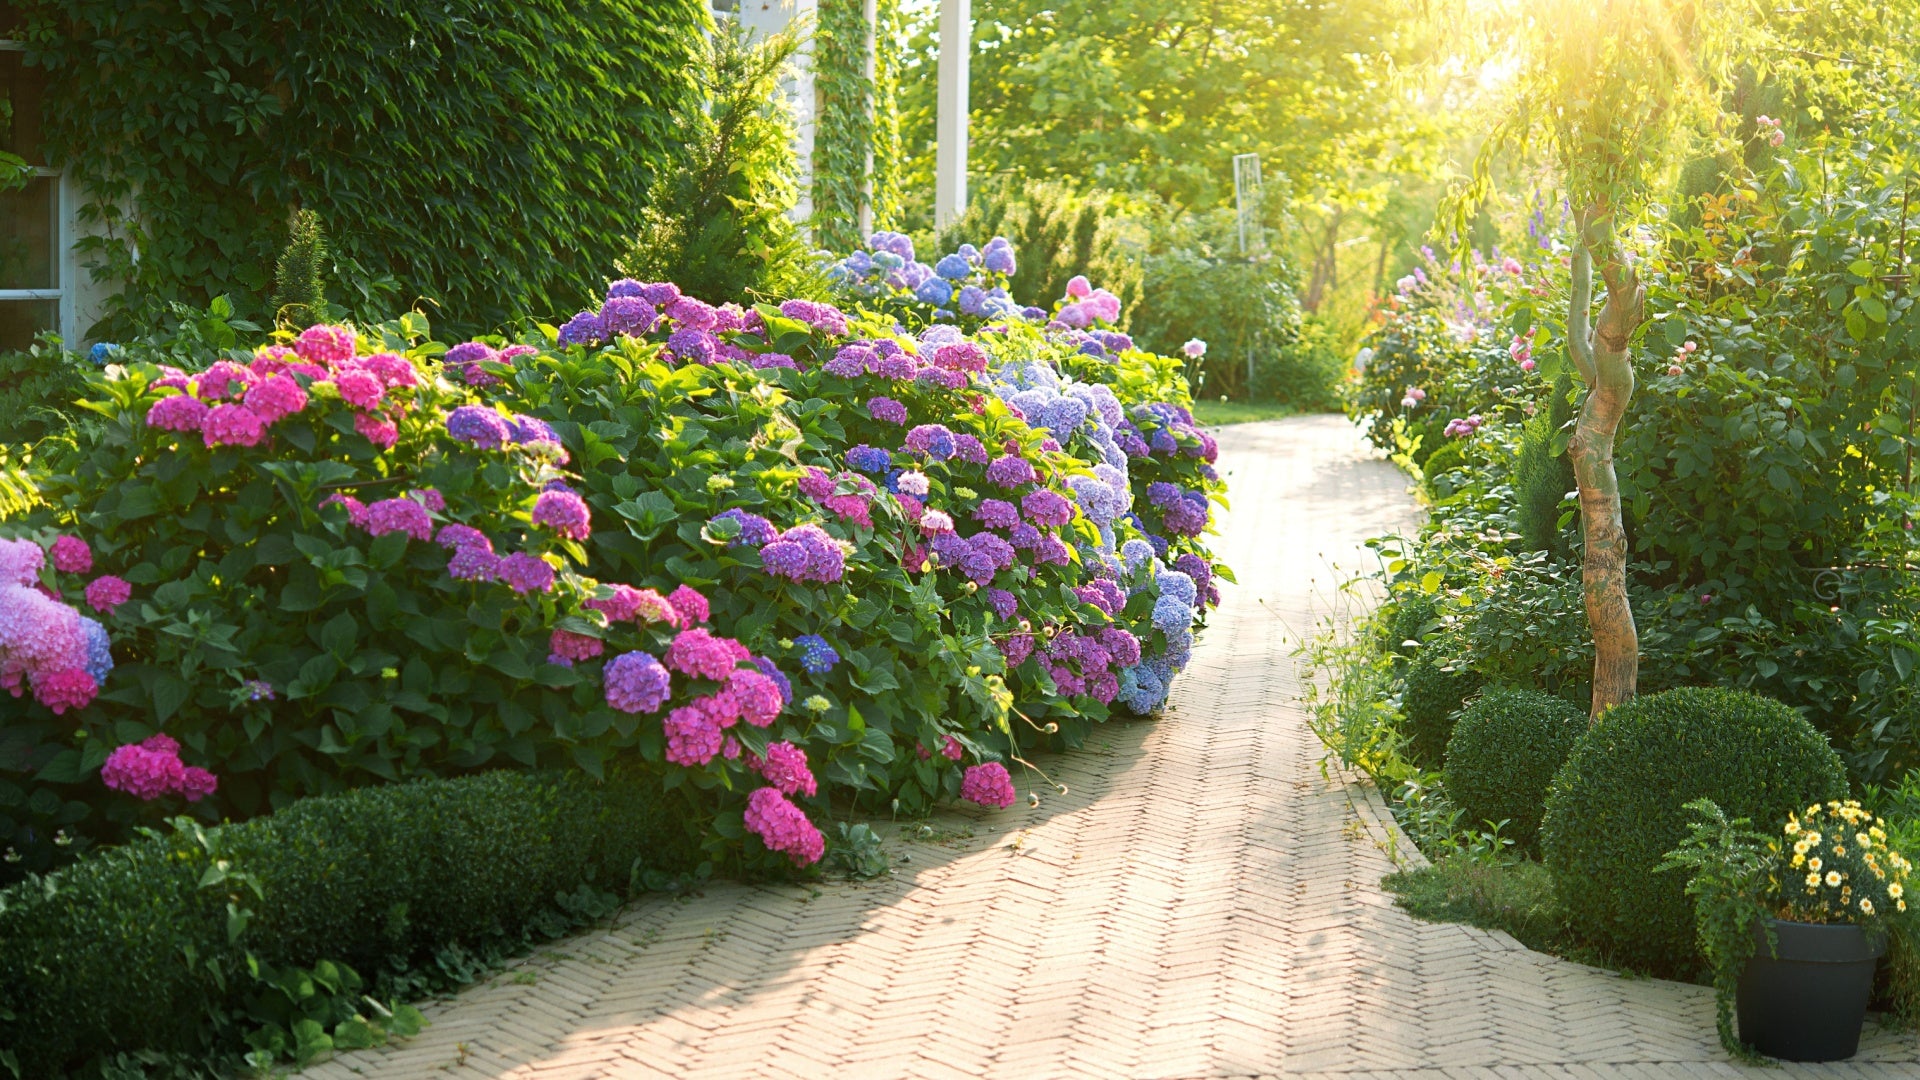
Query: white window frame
{"points": [[64, 263]]}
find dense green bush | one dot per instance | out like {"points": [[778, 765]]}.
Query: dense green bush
{"points": [[1503, 754], [443, 142], [38, 389], [1615, 808], [1436, 687], [147, 948]]}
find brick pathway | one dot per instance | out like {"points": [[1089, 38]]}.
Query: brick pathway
{"points": [[1201, 903]]}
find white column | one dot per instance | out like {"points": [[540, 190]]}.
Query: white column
{"points": [[950, 128], [870, 12]]}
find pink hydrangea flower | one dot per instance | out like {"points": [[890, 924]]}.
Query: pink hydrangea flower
{"points": [[360, 388], [757, 695], [107, 592], [697, 652], [276, 398], [783, 827], [934, 522], [232, 425], [402, 515], [429, 498], [328, 345], [356, 510], [143, 770], [785, 767], [378, 430], [690, 608], [394, 371], [693, 736], [20, 561], [71, 555], [951, 748], [566, 646], [62, 690], [524, 572], [177, 413], [988, 785], [563, 512], [225, 378]]}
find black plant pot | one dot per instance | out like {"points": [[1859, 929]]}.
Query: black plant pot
{"points": [[1806, 1002]]}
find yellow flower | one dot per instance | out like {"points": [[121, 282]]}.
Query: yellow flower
{"points": [[1902, 903], [1814, 864], [1896, 890], [1866, 905], [1813, 882], [1863, 839], [1839, 851], [1792, 826], [1833, 878], [1798, 860]]}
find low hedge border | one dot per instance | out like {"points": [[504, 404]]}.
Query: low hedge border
{"points": [[200, 949]]}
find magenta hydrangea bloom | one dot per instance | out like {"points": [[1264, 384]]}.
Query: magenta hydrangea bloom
{"points": [[20, 561], [145, 770], [457, 536], [177, 413], [782, 826], [402, 515], [1046, 507], [429, 498], [563, 512], [887, 410], [951, 749], [393, 370], [689, 607], [329, 345], [107, 592], [356, 510], [360, 388], [276, 398], [757, 694], [636, 683], [225, 378], [59, 691], [697, 652], [376, 429], [693, 735], [785, 767], [71, 555], [988, 785], [232, 425], [524, 572], [565, 646], [474, 562], [197, 783]]}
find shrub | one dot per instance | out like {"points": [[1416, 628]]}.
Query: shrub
{"points": [[38, 389], [1503, 753], [147, 948], [1406, 617], [299, 277], [1616, 808], [443, 141], [720, 228], [1435, 689]]}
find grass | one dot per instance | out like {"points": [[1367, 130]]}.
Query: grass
{"points": [[1215, 413], [1516, 897]]}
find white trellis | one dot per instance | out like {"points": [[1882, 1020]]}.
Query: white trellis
{"points": [[950, 126]]}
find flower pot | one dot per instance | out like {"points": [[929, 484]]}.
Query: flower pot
{"points": [[1806, 1001]]}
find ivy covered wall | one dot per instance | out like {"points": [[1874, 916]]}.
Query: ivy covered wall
{"points": [[856, 148], [488, 158]]}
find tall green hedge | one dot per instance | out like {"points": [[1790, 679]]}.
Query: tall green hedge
{"points": [[493, 158]]}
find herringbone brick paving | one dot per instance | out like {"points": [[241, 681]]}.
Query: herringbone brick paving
{"points": [[1202, 902]]}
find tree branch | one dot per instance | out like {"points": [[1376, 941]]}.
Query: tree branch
{"points": [[1579, 309]]}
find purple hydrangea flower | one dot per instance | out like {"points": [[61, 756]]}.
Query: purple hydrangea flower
{"points": [[887, 410], [523, 572], [478, 426], [637, 683], [629, 315], [585, 328]]}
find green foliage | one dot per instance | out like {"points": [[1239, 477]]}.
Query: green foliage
{"points": [[444, 141], [1502, 756], [38, 390], [1617, 807], [1516, 897], [299, 277], [1727, 865], [200, 944], [1542, 477], [1059, 234], [1435, 689], [856, 139], [720, 226]]}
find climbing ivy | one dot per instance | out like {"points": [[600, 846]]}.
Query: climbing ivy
{"points": [[856, 141], [492, 159]]}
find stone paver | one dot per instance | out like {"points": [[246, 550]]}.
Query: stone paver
{"points": [[1203, 901]]}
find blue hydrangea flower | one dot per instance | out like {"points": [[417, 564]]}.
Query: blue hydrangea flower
{"points": [[953, 267], [99, 650], [999, 259], [1170, 613], [100, 354], [934, 291], [816, 656]]}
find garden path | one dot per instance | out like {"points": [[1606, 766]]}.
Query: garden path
{"points": [[1203, 902]]}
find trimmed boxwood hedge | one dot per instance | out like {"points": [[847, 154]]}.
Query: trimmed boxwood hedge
{"points": [[1615, 808], [1429, 699], [1505, 748], [146, 948]]}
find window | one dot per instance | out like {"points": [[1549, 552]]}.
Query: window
{"points": [[35, 286]]}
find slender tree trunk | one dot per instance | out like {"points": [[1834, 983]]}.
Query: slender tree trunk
{"points": [[1599, 353]]}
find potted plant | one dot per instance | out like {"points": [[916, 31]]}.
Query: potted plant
{"points": [[1793, 924]]}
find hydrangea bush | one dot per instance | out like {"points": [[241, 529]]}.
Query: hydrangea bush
{"points": [[776, 554]]}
